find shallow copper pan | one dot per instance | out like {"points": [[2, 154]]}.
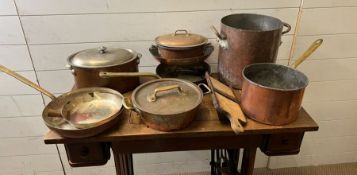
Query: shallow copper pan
{"points": [[80, 113]]}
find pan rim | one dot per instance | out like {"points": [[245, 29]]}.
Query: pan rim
{"points": [[251, 30], [272, 88]]}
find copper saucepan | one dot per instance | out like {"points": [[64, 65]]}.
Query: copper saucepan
{"points": [[273, 93], [163, 104], [79, 113]]}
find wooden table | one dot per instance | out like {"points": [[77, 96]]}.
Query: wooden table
{"points": [[205, 132]]}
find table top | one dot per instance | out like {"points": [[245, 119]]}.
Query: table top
{"points": [[205, 124]]}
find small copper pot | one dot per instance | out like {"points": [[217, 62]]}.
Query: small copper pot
{"points": [[273, 93]]}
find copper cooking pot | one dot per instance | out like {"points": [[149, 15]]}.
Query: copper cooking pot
{"points": [[245, 39], [166, 104], [181, 46], [86, 66], [273, 93]]}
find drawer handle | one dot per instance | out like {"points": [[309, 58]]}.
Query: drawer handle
{"points": [[284, 141], [84, 152]]}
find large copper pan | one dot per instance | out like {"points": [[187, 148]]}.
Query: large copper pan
{"points": [[273, 93], [80, 113]]}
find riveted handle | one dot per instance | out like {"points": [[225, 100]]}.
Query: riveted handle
{"points": [[153, 97], [316, 44], [177, 32], [287, 26]]}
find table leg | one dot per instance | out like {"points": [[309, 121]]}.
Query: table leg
{"points": [[248, 161], [123, 163]]}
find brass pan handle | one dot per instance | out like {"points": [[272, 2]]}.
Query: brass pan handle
{"points": [[153, 97], [26, 81], [316, 44], [127, 74]]}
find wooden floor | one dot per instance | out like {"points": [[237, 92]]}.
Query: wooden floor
{"points": [[337, 169]]}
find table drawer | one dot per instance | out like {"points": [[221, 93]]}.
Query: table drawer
{"points": [[282, 144], [87, 154]]}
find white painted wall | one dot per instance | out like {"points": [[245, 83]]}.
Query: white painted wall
{"points": [[36, 36]]}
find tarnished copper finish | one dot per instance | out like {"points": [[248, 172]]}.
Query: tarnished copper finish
{"points": [[182, 57], [270, 106], [181, 39], [166, 104], [181, 45], [87, 64], [247, 39], [272, 93], [89, 77], [173, 53]]}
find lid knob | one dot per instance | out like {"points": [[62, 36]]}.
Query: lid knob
{"points": [[102, 49]]}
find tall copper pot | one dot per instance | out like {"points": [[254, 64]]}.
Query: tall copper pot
{"points": [[247, 39]]}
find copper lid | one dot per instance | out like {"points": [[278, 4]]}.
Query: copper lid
{"points": [[167, 96], [181, 38], [101, 57]]}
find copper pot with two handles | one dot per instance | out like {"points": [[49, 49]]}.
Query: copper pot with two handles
{"points": [[163, 104], [245, 39], [181, 48]]}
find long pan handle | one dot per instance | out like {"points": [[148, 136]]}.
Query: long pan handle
{"points": [[26, 81], [316, 44], [127, 74]]}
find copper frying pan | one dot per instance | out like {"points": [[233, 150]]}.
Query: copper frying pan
{"points": [[77, 111]]}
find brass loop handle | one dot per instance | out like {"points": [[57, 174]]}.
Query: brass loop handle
{"points": [[127, 74], [26, 81], [153, 97], [316, 44], [127, 104], [205, 87], [182, 30], [288, 26]]}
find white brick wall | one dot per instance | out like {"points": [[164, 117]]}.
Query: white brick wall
{"points": [[55, 29]]}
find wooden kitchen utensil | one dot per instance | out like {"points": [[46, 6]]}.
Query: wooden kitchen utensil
{"points": [[227, 108], [222, 88]]}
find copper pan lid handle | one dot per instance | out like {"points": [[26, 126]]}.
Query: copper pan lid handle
{"points": [[316, 44], [153, 97], [26, 81]]}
